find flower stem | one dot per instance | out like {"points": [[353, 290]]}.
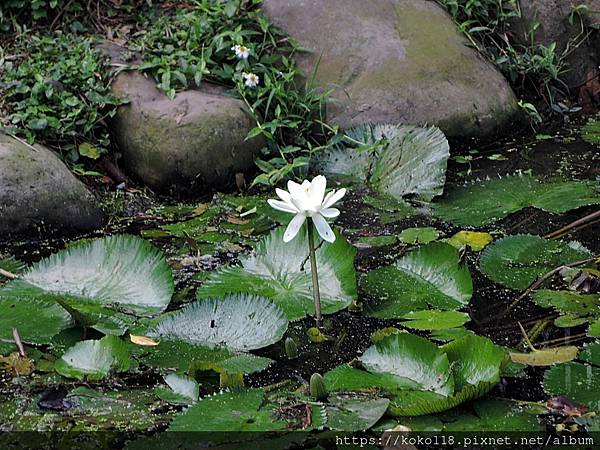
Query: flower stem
{"points": [[313, 270]]}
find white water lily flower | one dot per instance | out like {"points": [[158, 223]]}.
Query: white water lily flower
{"points": [[251, 79], [308, 200], [241, 51]]}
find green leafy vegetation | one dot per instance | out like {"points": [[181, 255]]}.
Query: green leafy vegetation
{"points": [[517, 261], [276, 272], [484, 202], [396, 160], [430, 276]]}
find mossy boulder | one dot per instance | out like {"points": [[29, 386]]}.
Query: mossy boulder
{"points": [[399, 61], [38, 193], [576, 35], [188, 144]]}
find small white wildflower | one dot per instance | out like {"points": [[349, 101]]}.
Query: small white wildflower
{"points": [[251, 79], [241, 51]]}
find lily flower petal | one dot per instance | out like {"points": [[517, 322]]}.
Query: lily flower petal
{"points": [[294, 227], [282, 206], [330, 213], [333, 197], [283, 195], [316, 191], [294, 188], [323, 228]]}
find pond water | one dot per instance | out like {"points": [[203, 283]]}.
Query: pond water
{"points": [[194, 250]]}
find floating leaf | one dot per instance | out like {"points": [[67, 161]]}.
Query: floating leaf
{"points": [[517, 261], [421, 378], [94, 360], [230, 412], [403, 160], [545, 357], [277, 272], [577, 308], [484, 202], [351, 412], [240, 322], [244, 363], [181, 390], [120, 272], [423, 235], [474, 239], [434, 319], [376, 241], [495, 416], [36, 321], [428, 276]]}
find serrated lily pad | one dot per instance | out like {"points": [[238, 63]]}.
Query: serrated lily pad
{"points": [[421, 378], [36, 321], [399, 160], [120, 272], [351, 412], [94, 360], [181, 390], [517, 261], [230, 412], [430, 276], [433, 319], [423, 235], [237, 322], [279, 272], [484, 202]]}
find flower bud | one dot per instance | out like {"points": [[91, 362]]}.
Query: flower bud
{"points": [[291, 349], [317, 387]]}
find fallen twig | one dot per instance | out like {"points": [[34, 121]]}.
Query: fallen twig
{"points": [[7, 274], [564, 230], [19, 343]]}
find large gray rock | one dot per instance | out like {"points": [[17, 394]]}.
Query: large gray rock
{"points": [[186, 145], [38, 192], [396, 61], [554, 26]]}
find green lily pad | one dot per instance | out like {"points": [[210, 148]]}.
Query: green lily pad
{"points": [[377, 241], [430, 276], [423, 235], [230, 412], [94, 360], [576, 308], [435, 319], [351, 412], [421, 378], [123, 272], [399, 160], [484, 202], [181, 390], [280, 272], [594, 328], [578, 381], [517, 261], [495, 416], [237, 322], [36, 321]]}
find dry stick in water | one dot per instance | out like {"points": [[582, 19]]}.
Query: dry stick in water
{"points": [[19, 343], [7, 274], [541, 280], [587, 220]]}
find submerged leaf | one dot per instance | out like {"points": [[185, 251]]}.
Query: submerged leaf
{"points": [[484, 202], [119, 272], [430, 276], [94, 360], [403, 160], [280, 272], [36, 321], [423, 235], [239, 322], [517, 261]]}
